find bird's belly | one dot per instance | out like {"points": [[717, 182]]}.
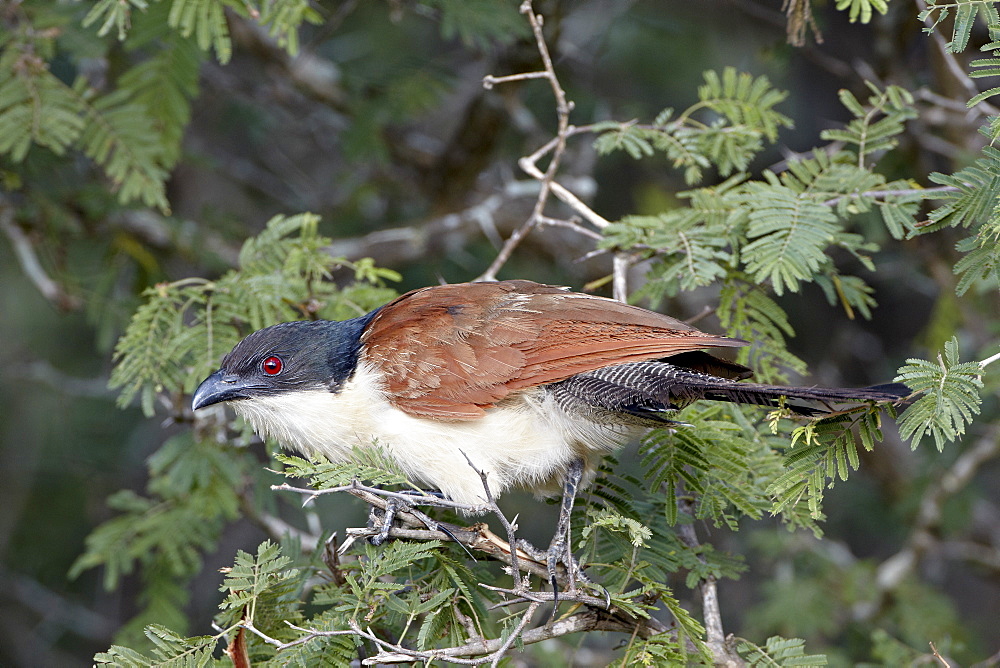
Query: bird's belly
{"points": [[527, 441]]}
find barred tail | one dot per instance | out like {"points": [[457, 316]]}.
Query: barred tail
{"points": [[647, 388]]}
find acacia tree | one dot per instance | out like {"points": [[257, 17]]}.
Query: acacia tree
{"points": [[738, 237]]}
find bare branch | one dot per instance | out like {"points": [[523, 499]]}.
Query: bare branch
{"points": [[715, 637], [558, 144], [31, 265], [896, 568]]}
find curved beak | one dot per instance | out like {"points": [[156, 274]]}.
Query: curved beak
{"points": [[217, 388]]}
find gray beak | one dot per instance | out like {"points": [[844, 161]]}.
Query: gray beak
{"points": [[217, 388]]}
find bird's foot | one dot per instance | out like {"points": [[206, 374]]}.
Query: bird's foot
{"points": [[384, 519]]}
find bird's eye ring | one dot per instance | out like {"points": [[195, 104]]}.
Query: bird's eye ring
{"points": [[272, 365]]}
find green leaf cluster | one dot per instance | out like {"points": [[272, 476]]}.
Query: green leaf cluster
{"points": [[778, 651], [780, 231], [937, 11], [737, 112], [130, 126], [950, 396]]}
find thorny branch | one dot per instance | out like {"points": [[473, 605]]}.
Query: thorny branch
{"points": [[597, 614], [486, 650]]}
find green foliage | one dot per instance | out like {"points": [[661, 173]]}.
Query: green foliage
{"points": [[712, 460], [821, 452], [371, 465], [205, 20], [743, 100], [970, 197], [480, 23], [781, 231], [110, 129], [966, 11], [193, 492], [862, 9], [788, 235], [974, 191], [170, 651], [131, 127], [35, 107], [740, 114], [950, 396], [746, 311], [255, 583], [894, 105], [778, 651]]}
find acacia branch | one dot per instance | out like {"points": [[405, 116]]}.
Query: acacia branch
{"points": [[517, 554], [485, 650]]}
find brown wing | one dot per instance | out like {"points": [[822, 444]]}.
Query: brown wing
{"points": [[451, 351]]}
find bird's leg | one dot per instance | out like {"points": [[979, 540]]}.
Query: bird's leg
{"points": [[392, 506], [561, 547]]}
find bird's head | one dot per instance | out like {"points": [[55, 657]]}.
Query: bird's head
{"points": [[289, 357]]}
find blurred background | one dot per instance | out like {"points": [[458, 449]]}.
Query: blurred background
{"points": [[381, 126]]}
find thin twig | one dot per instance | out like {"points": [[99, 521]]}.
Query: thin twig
{"points": [[619, 283], [509, 527], [989, 360], [715, 637], [938, 656], [880, 194], [563, 108]]}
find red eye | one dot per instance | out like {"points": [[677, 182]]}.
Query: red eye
{"points": [[272, 365]]}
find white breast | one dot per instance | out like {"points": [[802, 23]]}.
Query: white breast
{"points": [[523, 442]]}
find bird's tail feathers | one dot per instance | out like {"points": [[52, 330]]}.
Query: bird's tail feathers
{"points": [[646, 388]]}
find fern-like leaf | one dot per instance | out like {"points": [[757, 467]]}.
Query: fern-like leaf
{"points": [[113, 14], [744, 100], [789, 232], [35, 106], [117, 136], [779, 652], [165, 83], [951, 396], [980, 262], [253, 575], [371, 464], [862, 9], [973, 195], [206, 21], [748, 312], [875, 125]]}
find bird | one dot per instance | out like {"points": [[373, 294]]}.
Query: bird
{"points": [[515, 383]]}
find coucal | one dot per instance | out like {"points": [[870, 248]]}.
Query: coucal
{"points": [[527, 383]]}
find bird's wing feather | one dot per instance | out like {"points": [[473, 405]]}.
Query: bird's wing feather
{"points": [[452, 351]]}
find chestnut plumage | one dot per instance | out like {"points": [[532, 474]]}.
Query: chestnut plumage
{"points": [[518, 378]]}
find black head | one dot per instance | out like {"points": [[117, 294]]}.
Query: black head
{"points": [[285, 358]]}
